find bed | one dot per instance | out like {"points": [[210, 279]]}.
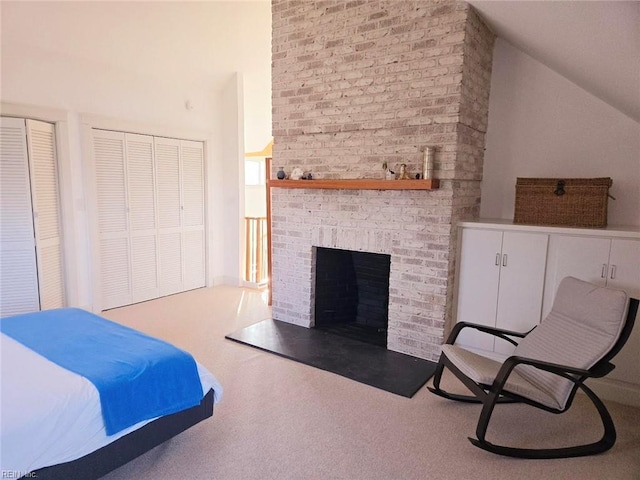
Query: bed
{"points": [[55, 422]]}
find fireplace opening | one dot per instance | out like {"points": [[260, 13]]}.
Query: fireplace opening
{"points": [[352, 294]]}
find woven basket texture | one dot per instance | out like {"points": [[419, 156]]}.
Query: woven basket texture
{"points": [[571, 202]]}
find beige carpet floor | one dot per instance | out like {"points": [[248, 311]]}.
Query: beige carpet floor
{"points": [[279, 419]]}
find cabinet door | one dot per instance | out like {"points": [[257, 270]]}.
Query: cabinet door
{"points": [[478, 278], [585, 258], [624, 266], [624, 273], [521, 284]]}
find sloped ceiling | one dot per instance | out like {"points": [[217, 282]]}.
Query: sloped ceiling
{"points": [[596, 45], [204, 42]]}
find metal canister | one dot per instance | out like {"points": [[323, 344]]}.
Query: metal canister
{"points": [[427, 162]]}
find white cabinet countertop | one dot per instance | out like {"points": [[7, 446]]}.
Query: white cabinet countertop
{"points": [[621, 231]]}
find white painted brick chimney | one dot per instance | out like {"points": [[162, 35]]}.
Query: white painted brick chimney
{"points": [[355, 84]]}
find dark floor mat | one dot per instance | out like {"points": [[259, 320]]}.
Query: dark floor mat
{"points": [[365, 363]]}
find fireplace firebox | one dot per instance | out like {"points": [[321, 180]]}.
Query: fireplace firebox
{"points": [[352, 294]]}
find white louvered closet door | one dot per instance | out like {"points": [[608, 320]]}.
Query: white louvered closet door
{"points": [[192, 156], [46, 213], [113, 224], [18, 268], [142, 217], [169, 178], [151, 216]]}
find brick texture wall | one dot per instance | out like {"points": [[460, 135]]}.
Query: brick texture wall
{"points": [[362, 82]]}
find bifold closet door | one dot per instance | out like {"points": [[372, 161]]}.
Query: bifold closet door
{"points": [[181, 234], [170, 210], [192, 155], [31, 263], [18, 269], [127, 220], [46, 209], [150, 193], [113, 223], [142, 216]]}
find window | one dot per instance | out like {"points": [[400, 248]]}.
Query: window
{"points": [[254, 172]]}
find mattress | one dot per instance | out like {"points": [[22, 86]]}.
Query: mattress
{"points": [[49, 415]]}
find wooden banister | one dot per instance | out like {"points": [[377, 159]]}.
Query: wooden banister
{"points": [[256, 249]]}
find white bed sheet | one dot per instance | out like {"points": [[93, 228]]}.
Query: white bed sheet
{"points": [[49, 415]]}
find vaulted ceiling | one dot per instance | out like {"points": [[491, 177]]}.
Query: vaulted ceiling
{"points": [[596, 45]]}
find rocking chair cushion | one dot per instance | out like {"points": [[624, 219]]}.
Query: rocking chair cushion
{"points": [[582, 327], [483, 370]]}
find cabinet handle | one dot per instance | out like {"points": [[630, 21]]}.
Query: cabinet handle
{"points": [[603, 274], [497, 259], [504, 260], [613, 272]]}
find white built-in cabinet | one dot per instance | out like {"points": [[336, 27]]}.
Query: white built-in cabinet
{"points": [[151, 216], [613, 262], [31, 263], [507, 276], [500, 283]]}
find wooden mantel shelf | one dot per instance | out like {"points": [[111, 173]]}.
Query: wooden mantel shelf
{"points": [[358, 184]]}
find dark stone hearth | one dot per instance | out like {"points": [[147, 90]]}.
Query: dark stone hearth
{"points": [[369, 364], [363, 333]]}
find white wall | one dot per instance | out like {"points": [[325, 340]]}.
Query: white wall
{"points": [[257, 134], [135, 65], [231, 174], [255, 201], [257, 108], [542, 125]]}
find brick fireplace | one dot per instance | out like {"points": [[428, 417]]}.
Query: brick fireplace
{"points": [[355, 84]]}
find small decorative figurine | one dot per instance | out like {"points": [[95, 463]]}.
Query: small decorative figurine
{"points": [[281, 175], [388, 174], [296, 174], [403, 174]]}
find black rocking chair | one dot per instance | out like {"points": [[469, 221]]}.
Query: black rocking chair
{"points": [[586, 328]]}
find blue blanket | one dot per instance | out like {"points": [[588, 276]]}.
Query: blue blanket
{"points": [[138, 377]]}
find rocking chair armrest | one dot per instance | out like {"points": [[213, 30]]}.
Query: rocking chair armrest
{"points": [[497, 332], [565, 371]]}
